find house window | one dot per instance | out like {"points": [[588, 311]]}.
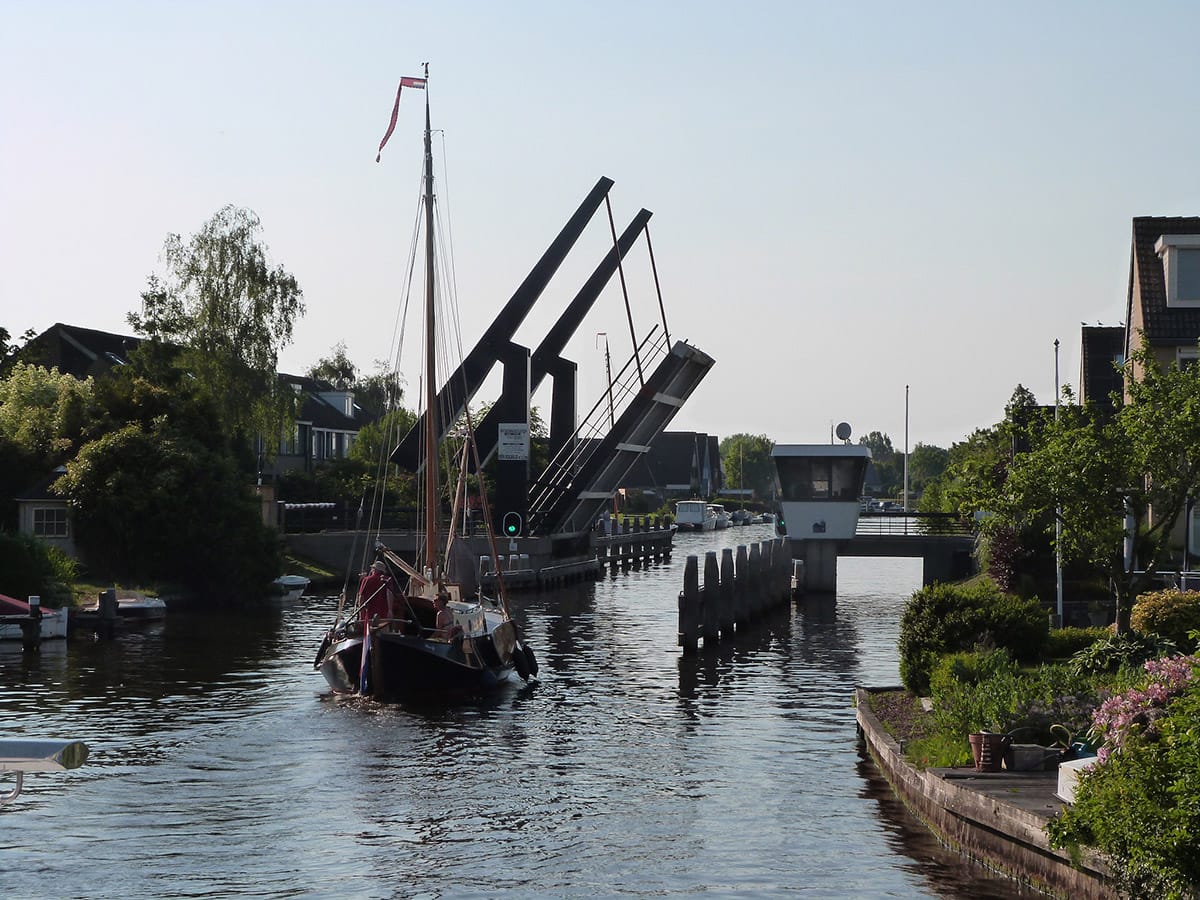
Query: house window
{"points": [[1187, 357], [50, 522], [1180, 254]]}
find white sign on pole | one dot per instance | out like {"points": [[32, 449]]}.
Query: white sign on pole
{"points": [[513, 442]]}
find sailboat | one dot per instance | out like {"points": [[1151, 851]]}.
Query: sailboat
{"points": [[437, 636]]}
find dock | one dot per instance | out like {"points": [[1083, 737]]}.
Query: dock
{"points": [[997, 818]]}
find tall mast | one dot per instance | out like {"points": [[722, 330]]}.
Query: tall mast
{"points": [[431, 417]]}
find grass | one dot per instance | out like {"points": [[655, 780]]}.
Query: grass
{"points": [[313, 571], [902, 716]]}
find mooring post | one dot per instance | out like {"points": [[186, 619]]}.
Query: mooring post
{"points": [[31, 628], [728, 610], [770, 597], [710, 599], [783, 585], [741, 584], [754, 567], [689, 606]]}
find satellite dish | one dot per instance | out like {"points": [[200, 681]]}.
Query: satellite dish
{"points": [[843, 431]]}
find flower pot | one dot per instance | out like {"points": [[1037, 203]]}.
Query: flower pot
{"points": [[988, 749]]}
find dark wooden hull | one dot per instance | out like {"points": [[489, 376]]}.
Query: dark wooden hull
{"points": [[409, 669]]}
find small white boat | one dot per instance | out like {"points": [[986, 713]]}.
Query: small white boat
{"points": [[695, 515], [131, 607], [54, 621], [720, 516], [288, 588]]}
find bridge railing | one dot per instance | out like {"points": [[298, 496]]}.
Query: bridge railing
{"points": [[915, 524]]}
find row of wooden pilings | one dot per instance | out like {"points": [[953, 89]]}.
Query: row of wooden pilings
{"points": [[735, 592], [632, 541]]}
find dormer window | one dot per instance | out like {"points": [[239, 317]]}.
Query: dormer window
{"points": [[1180, 254]]}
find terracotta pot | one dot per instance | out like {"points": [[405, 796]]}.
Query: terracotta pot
{"points": [[988, 749]]}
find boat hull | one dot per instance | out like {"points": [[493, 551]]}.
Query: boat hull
{"points": [[409, 669]]}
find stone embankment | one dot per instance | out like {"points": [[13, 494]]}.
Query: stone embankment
{"points": [[998, 818]]}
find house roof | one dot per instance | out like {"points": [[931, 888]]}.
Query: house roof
{"points": [[40, 490], [81, 352], [319, 411], [1160, 324], [671, 459]]}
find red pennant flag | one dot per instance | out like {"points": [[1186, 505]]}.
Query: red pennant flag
{"points": [[406, 81]]}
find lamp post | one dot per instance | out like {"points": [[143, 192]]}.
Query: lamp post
{"points": [[1058, 576], [906, 453]]}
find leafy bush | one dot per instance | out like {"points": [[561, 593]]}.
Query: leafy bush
{"points": [[973, 691], [986, 691], [1120, 651], [1171, 613], [1062, 643], [29, 566], [944, 618], [1141, 806]]}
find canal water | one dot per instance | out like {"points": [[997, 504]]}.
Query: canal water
{"points": [[221, 767]]}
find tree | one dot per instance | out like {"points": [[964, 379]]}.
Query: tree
{"points": [[43, 411], [748, 464], [44, 416], [152, 504], [889, 465], [926, 463], [221, 300], [337, 369], [1092, 471], [9, 348]]}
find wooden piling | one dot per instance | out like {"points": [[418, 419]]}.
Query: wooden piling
{"points": [[689, 606], [710, 599], [728, 611]]}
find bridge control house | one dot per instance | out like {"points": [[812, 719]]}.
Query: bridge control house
{"points": [[819, 490]]}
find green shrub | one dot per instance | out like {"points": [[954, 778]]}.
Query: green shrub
{"points": [[987, 691], [1063, 643], [1141, 806], [944, 618], [29, 566], [972, 691], [1171, 613], [1120, 651]]}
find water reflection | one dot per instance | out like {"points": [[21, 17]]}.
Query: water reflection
{"points": [[221, 766]]}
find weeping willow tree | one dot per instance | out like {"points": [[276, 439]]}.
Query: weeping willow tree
{"points": [[220, 299]]}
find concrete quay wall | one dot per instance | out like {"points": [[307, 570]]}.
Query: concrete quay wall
{"points": [[985, 827]]}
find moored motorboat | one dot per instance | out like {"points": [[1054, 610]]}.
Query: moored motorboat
{"points": [[289, 588], [695, 515], [53, 621], [124, 606]]}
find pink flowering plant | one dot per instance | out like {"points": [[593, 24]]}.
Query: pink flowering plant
{"points": [[1137, 711], [1140, 805]]}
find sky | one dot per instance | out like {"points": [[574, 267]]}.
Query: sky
{"points": [[849, 199]]}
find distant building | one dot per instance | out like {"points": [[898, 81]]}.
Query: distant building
{"points": [[1164, 306], [1101, 356], [678, 464], [45, 515], [1164, 288]]}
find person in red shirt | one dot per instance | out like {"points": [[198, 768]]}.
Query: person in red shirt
{"points": [[375, 593]]}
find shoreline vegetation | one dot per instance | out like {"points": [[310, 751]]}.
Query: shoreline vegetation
{"points": [[976, 659]]}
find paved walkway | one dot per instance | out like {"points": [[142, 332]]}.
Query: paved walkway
{"points": [[1030, 791]]}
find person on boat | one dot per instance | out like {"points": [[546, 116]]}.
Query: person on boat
{"points": [[444, 627], [375, 593]]}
